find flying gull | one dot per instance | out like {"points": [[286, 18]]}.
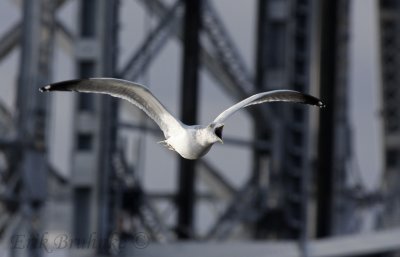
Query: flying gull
{"points": [[191, 142]]}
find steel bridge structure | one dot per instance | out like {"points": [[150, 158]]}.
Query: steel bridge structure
{"points": [[299, 44]]}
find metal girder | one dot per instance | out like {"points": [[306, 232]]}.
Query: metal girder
{"points": [[219, 187], [11, 227], [108, 12], [6, 121], [91, 174], [327, 136], [153, 222], [225, 48], [231, 73], [190, 70], [12, 37], [4, 219], [148, 214], [296, 166], [231, 82], [241, 210], [389, 42], [65, 37], [216, 183], [152, 44], [345, 220], [35, 69], [170, 196], [260, 167]]}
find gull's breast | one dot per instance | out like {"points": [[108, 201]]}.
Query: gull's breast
{"points": [[187, 146]]}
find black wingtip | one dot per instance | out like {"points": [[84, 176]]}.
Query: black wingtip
{"points": [[66, 85], [312, 100]]}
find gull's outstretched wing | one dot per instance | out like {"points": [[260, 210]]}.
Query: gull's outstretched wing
{"points": [[132, 92], [272, 96]]}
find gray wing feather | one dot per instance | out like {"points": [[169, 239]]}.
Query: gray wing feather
{"points": [[135, 93], [272, 96]]}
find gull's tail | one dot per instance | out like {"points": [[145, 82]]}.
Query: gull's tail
{"points": [[166, 144]]}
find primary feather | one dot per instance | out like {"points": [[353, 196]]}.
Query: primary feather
{"points": [[135, 93], [271, 96]]}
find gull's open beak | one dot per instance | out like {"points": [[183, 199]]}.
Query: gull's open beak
{"points": [[218, 132]]}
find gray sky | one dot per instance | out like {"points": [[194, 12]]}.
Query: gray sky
{"points": [[164, 80]]}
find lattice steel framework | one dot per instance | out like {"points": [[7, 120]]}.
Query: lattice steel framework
{"points": [[100, 172], [27, 170], [389, 24], [288, 36], [94, 131]]}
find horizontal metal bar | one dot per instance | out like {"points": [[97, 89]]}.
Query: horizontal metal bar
{"points": [[167, 196]]}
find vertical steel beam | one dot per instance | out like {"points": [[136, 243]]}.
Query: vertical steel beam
{"points": [[260, 80], [297, 141], [260, 176], [389, 27], [261, 45], [86, 124], [189, 100], [35, 70], [109, 117], [94, 124], [344, 218], [326, 137], [284, 34]]}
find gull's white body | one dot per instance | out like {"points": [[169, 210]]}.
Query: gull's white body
{"points": [[191, 142]]}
